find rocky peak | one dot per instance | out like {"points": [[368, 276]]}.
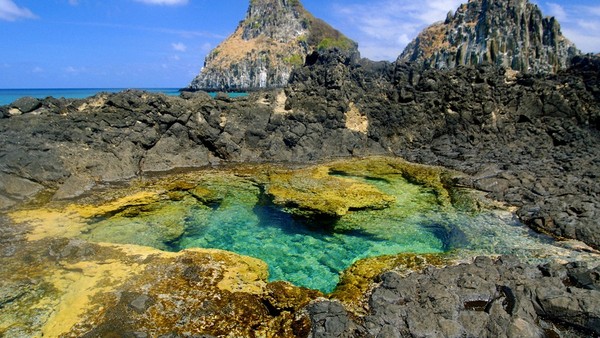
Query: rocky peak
{"points": [[267, 45], [509, 33], [276, 20]]}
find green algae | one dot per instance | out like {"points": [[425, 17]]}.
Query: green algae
{"points": [[52, 284], [309, 224], [316, 193]]}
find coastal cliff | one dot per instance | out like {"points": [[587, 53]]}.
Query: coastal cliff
{"points": [[267, 45], [509, 33]]}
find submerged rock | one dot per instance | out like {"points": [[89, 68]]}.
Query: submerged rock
{"points": [[314, 193]]}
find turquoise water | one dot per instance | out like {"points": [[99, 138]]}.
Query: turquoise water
{"points": [[312, 252], [305, 252], [239, 216], [8, 96]]}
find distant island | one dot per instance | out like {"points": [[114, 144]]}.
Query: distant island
{"points": [[268, 44]]}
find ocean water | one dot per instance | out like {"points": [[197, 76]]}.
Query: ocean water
{"points": [[7, 96]]}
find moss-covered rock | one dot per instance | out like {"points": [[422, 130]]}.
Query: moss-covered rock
{"points": [[313, 192]]}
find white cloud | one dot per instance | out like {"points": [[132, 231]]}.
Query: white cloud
{"points": [[580, 24], [37, 70], [74, 70], [587, 41], [558, 12], [9, 11], [180, 47], [73, 2], [164, 2], [383, 28]]}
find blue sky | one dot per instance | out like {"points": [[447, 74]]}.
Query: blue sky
{"points": [[162, 43]]}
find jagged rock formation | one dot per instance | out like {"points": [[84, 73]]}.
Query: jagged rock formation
{"points": [[509, 33], [530, 141], [486, 298], [274, 38]]}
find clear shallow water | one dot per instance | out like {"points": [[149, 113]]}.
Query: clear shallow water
{"points": [[305, 252], [309, 253], [233, 212]]}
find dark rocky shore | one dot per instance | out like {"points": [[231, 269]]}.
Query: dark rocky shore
{"points": [[530, 141], [487, 298]]}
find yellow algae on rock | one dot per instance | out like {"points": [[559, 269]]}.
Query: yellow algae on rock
{"points": [[355, 282], [246, 274], [78, 288], [79, 283], [73, 220], [46, 222], [137, 199], [205, 291], [435, 178], [314, 192]]}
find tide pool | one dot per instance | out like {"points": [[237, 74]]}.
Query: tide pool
{"points": [[240, 210]]}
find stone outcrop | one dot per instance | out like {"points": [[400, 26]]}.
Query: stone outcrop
{"points": [[486, 298], [530, 141], [267, 45], [509, 33]]}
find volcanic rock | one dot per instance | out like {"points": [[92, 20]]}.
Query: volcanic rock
{"points": [[486, 298], [509, 33], [268, 44]]}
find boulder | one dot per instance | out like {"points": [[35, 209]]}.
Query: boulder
{"points": [[485, 298], [26, 104]]}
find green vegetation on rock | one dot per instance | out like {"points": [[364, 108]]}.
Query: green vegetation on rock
{"points": [[294, 60], [340, 43]]}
